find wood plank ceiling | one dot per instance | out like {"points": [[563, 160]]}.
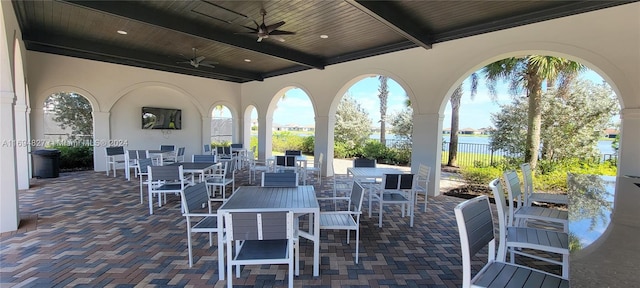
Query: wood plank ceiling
{"points": [[162, 33]]}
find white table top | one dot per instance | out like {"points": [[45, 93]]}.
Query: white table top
{"points": [[297, 199], [370, 172]]}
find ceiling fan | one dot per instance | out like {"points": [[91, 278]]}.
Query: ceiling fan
{"points": [[263, 31], [197, 61]]}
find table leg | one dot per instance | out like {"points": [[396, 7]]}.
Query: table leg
{"points": [[220, 248], [316, 243]]}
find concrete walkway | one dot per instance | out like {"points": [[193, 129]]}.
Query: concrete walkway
{"points": [[448, 180]]}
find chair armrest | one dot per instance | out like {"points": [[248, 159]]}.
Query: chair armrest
{"points": [[332, 198], [200, 214]]}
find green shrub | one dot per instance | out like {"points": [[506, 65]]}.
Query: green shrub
{"points": [[373, 149], [75, 157], [308, 145], [480, 176]]}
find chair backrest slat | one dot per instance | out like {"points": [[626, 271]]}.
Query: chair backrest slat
{"points": [[166, 173], [273, 179], [236, 145], [293, 153], [355, 199], [142, 154], [398, 181], [478, 223], [196, 197], [364, 162], [207, 158], [258, 225], [144, 164], [167, 147], [115, 150], [133, 154], [206, 148], [512, 183]]}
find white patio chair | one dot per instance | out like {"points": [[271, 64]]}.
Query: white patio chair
{"points": [[259, 238], [256, 167], [164, 180], [131, 162], [143, 170], [475, 226], [395, 189], [115, 158], [514, 239], [521, 213], [349, 219], [220, 179], [198, 219], [422, 183], [316, 168], [531, 196]]}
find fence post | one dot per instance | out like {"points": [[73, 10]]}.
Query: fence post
{"points": [[491, 158]]}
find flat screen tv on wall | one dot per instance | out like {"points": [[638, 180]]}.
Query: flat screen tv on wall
{"points": [[161, 118]]}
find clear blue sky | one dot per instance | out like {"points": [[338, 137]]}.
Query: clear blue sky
{"points": [[296, 107]]}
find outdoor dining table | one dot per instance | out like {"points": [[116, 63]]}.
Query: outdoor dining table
{"points": [[300, 200], [200, 168], [359, 173]]}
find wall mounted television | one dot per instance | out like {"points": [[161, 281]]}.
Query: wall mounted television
{"points": [[161, 118]]}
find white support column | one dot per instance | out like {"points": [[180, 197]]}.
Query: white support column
{"points": [[264, 137], [9, 206], [427, 145], [23, 149], [101, 134], [206, 132], [324, 142], [627, 199], [246, 129]]}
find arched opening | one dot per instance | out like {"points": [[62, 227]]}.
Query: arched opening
{"points": [[373, 120], [221, 126], [293, 126], [68, 126]]}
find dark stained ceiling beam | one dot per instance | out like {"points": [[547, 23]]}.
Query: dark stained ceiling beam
{"points": [[67, 46], [136, 12], [395, 18], [572, 8]]}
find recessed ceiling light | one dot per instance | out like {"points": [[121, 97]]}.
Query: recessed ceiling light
{"points": [[122, 32], [323, 36], [247, 60]]}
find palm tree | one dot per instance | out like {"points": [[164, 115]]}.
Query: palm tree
{"points": [[456, 97], [530, 73], [383, 95]]}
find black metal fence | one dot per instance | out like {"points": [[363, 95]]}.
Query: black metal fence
{"points": [[470, 153]]}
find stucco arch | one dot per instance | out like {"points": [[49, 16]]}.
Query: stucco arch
{"points": [[359, 75], [127, 90], [41, 97], [605, 69], [276, 98]]}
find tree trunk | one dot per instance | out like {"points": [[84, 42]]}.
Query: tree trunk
{"points": [[534, 121], [383, 95], [456, 97]]}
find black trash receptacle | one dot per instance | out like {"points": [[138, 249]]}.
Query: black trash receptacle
{"points": [[46, 163]]}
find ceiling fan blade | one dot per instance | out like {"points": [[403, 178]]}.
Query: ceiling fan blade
{"points": [[274, 26], [209, 62], [207, 65], [276, 37], [183, 62], [281, 32], [259, 39], [199, 59]]}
